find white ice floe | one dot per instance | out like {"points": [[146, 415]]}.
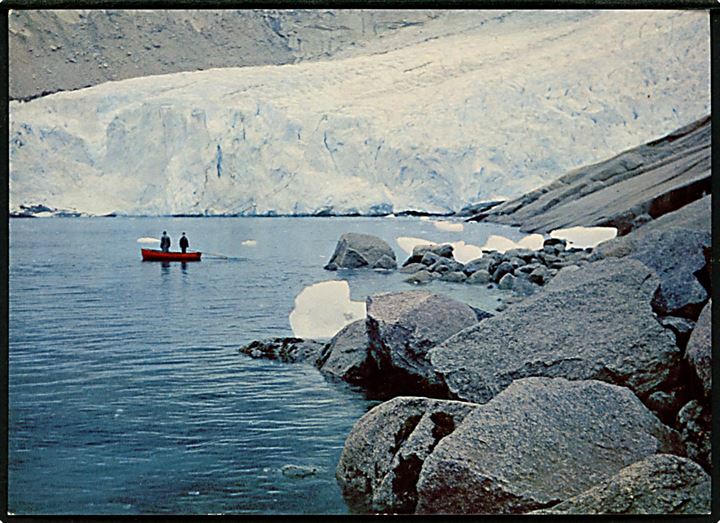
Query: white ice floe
{"points": [[408, 243], [249, 243], [463, 252], [583, 237], [449, 226], [146, 239], [499, 243], [322, 309]]}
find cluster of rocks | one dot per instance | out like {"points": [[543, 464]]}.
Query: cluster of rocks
{"points": [[522, 270], [589, 395]]}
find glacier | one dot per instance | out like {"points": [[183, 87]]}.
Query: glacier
{"points": [[484, 110]]}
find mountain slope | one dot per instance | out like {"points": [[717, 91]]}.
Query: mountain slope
{"points": [[432, 122], [653, 179]]}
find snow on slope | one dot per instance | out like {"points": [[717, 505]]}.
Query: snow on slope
{"points": [[492, 110]]}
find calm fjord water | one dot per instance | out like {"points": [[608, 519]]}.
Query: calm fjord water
{"points": [[127, 393]]}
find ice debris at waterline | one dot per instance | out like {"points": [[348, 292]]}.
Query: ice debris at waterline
{"points": [[372, 134], [584, 237], [324, 308], [449, 226], [465, 252]]}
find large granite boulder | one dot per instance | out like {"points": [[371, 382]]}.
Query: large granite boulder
{"points": [[660, 484], [403, 326], [699, 349], [356, 250], [676, 256], [347, 355], [694, 421], [591, 323], [537, 443], [286, 350], [382, 456]]}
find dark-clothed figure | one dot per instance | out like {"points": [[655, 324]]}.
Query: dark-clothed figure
{"points": [[165, 242], [184, 243]]}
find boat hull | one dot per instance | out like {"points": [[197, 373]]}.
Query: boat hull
{"points": [[155, 255]]}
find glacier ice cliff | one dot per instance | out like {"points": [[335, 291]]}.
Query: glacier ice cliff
{"points": [[493, 109]]}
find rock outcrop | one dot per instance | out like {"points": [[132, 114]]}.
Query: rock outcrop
{"points": [[286, 350], [661, 484], [382, 456], [347, 355], [403, 327], [537, 443], [652, 179], [699, 349], [595, 323], [356, 250]]}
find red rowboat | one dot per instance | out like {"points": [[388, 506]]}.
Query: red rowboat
{"points": [[155, 255]]}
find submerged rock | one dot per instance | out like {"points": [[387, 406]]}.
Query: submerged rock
{"points": [[660, 484], [537, 443], [356, 250], [298, 471], [403, 326], [595, 323], [286, 350]]}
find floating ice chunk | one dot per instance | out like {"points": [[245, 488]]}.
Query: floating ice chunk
{"points": [[449, 226], [324, 308], [249, 243], [146, 239], [464, 252], [424, 218], [534, 242], [408, 243], [583, 237]]}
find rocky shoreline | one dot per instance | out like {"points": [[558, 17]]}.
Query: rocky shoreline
{"points": [[587, 392]]}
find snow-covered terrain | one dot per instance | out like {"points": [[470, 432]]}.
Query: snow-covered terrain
{"points": [[502, 104]]}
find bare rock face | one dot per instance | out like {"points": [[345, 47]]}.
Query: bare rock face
{"points": [[591, 323], [356, 250], [347, 354], [660, 484], [539, 442], [403, 326], [286, 350], [386, 448], [699, 349], [676, 256]]}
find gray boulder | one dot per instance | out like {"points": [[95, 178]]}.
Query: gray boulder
{"points": [[347, 355], [537, 443], [420, 277], [676, 256], [501, 270], [694, 422], [454, 276], [429, 258], [355, 250], [506, 282], [699, 349], [478, 264], [412, 268], [286, 350], [480, 276], [403, 326], [591, 324], [385, 263], [681, 327], [383, 454], [660, 484], [541, 275]]}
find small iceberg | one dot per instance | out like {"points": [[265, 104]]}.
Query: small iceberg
{"points": [[584, 237], [249, 243], [324, 308], [449, 226]]}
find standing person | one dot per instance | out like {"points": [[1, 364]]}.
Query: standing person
{"points": [[184, 243], [165, 242]]}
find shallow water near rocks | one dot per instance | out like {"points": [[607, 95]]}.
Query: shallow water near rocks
{"points": [[127, 393]]}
